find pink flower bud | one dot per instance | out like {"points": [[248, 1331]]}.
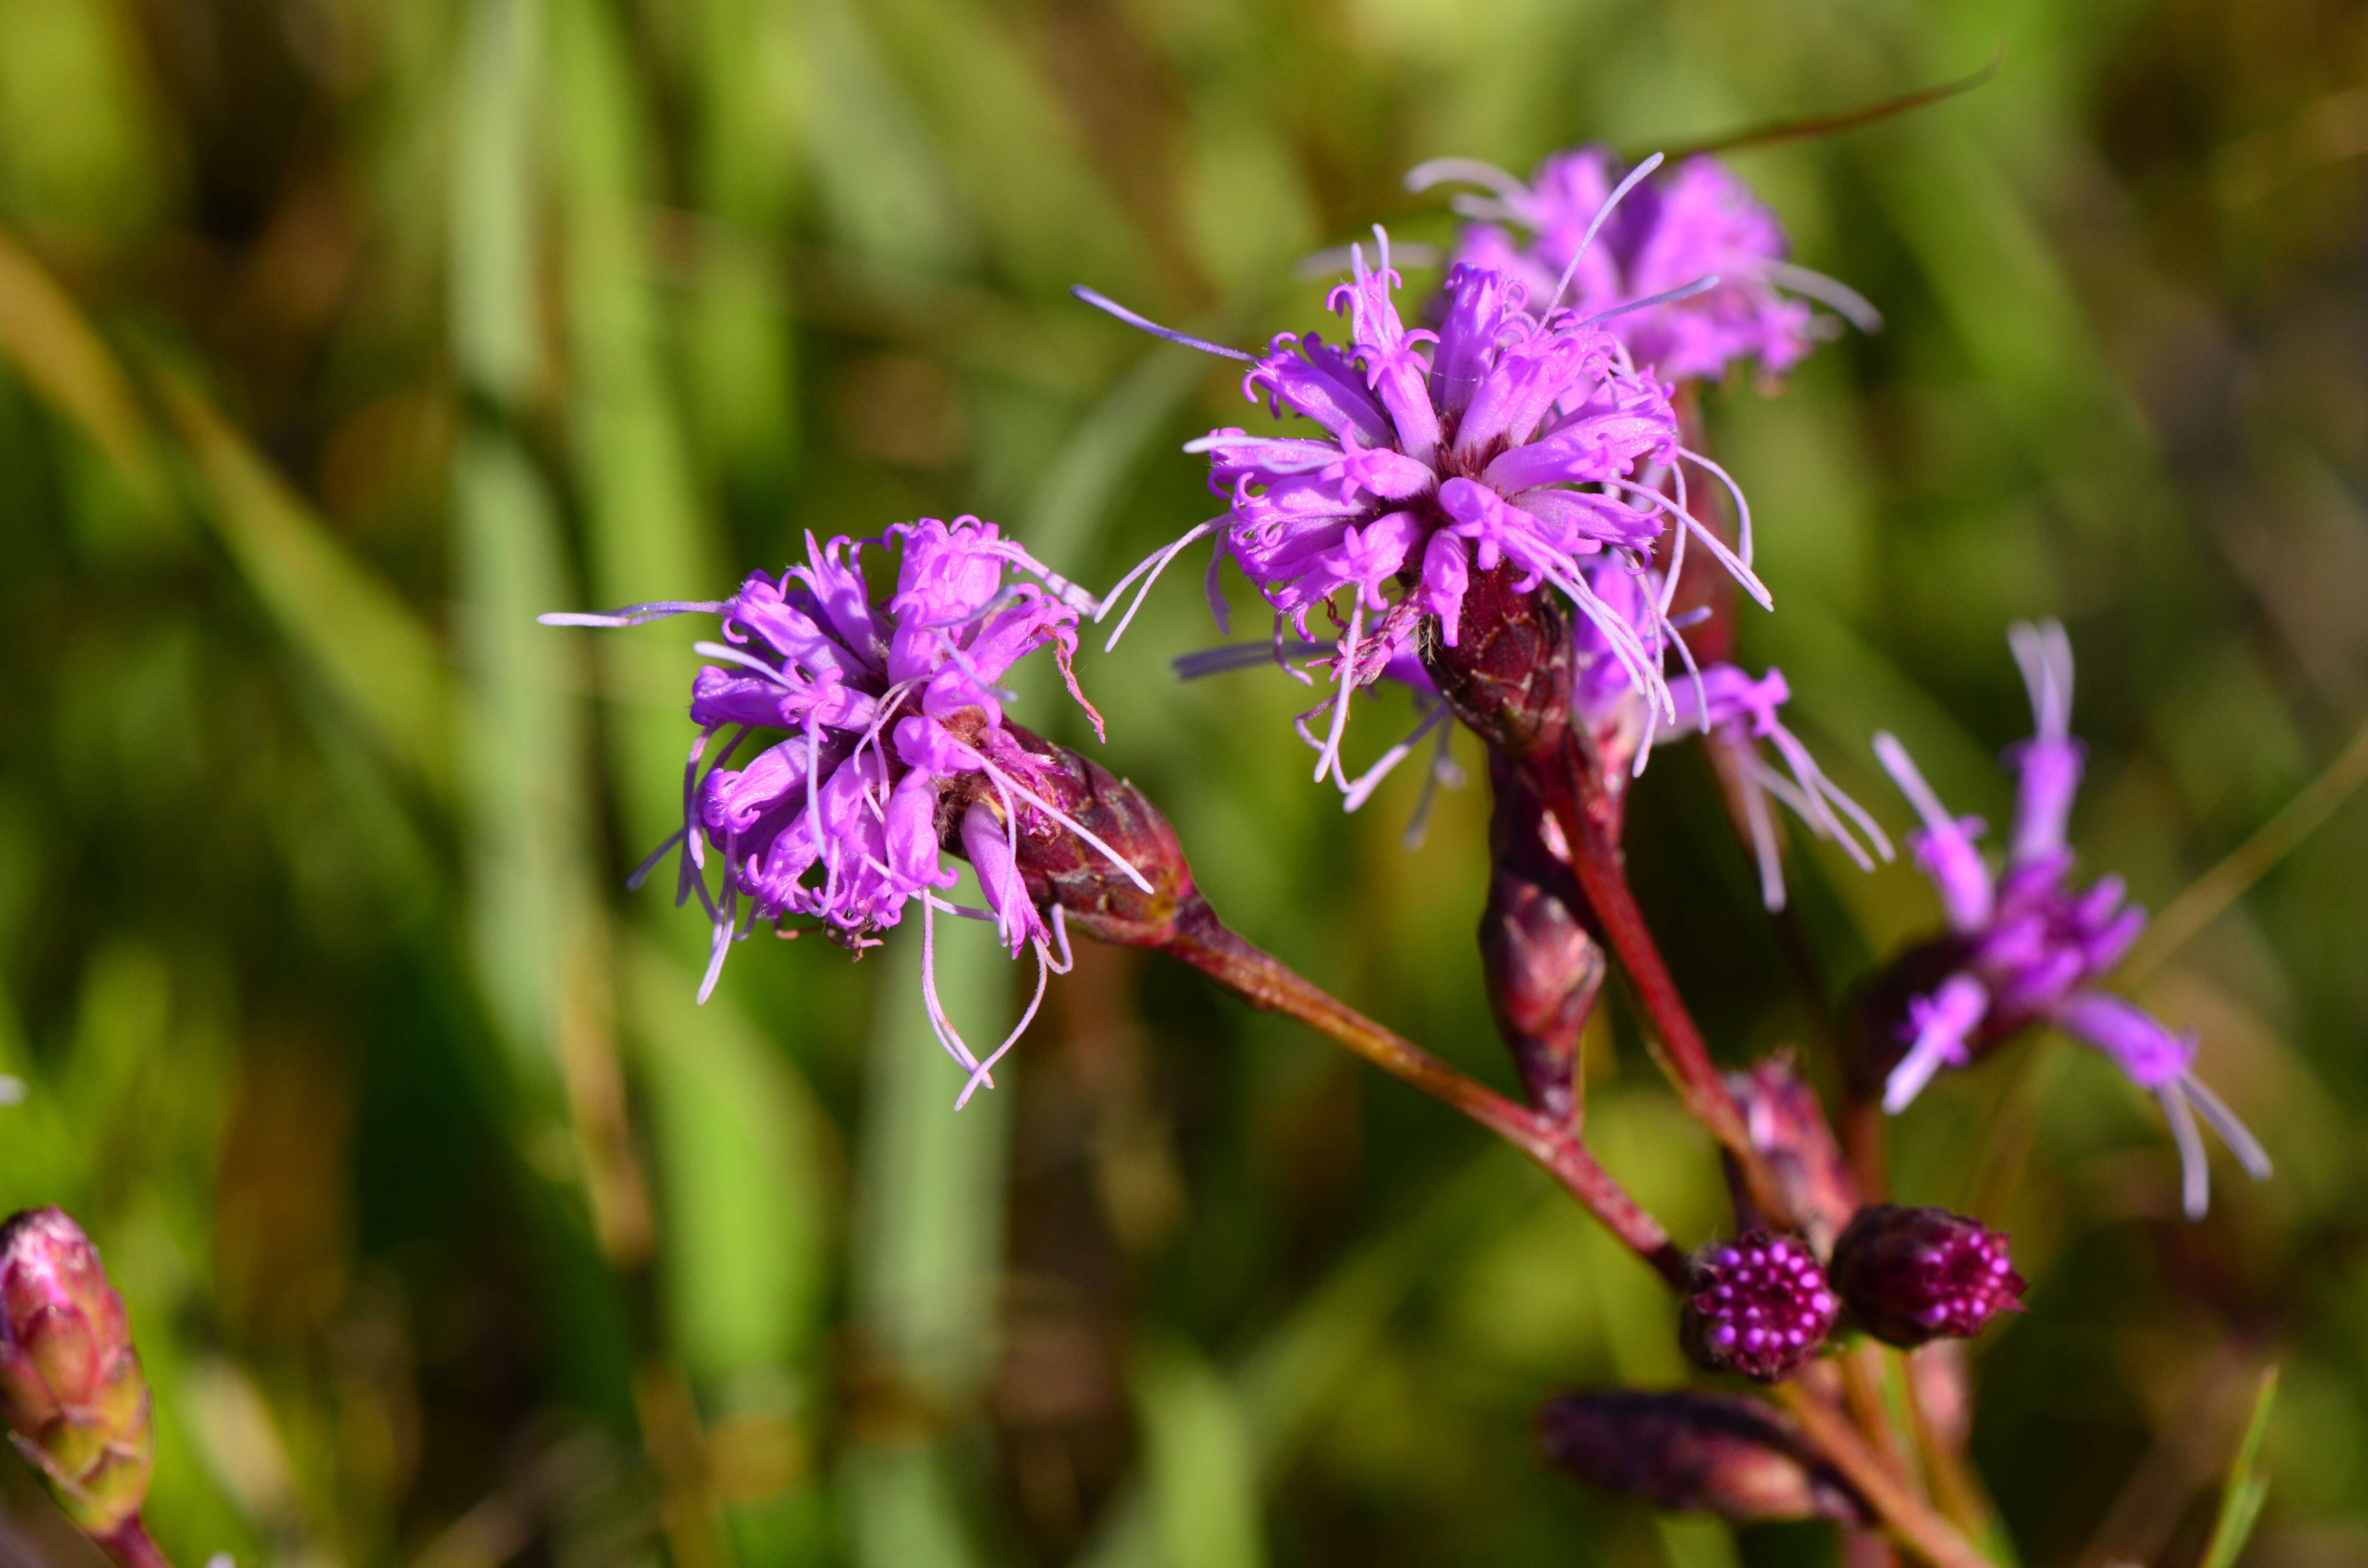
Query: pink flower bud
{"points": [[1758, 1306], [1785, 1123], [69, 1383], [1912, 1275]]}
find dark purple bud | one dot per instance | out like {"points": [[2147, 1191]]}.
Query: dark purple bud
{"points": [[1543, 967], [1758, 1306], [1695, 1453], [1906, 1276], [69, 1383], [1784, 1123]]}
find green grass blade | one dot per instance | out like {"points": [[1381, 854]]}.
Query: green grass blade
{"points": [[1203, 1469], [2240, 1502], [370, 647]]}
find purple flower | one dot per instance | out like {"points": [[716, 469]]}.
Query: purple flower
{"points": [[1680, 224], [1908, 1276], [884, 746], [1758, 1306], [1502, 439], [2028, 946]]}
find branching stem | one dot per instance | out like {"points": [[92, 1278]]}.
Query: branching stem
{"points": [[1202, 940]]}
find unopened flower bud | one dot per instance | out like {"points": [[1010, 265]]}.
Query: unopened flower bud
{"points": [[1133, 905], [1544, 968], [69, 1383], [1695, 1453], [1758, 1306], [1785, 1123], [1906, 1276]]}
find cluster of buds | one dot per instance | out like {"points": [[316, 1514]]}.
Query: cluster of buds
{"points": [[70, 1385]]}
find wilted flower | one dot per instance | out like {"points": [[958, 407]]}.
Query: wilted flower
{"points": [[1906, 1276], [1676, 225], [897, 751], [70, 1382], [1696, 1453], [1758, 1306], [2025, 948]]}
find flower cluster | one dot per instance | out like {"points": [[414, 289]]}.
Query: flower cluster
{"points": [[1675, 226], [2026, 947], [884, 745]]}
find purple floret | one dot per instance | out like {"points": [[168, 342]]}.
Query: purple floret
{"points": [[1758, 1306], [881, 746], [2031, 945], [1680, 224]]}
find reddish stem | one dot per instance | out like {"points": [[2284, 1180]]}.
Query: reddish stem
{"points": [[130, 1544], [1570, 782], [1202, 940], [1912, 1521]]}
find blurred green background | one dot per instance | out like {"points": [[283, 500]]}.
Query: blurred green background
{"points": [[342, 337]]}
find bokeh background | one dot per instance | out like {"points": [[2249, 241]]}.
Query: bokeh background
{"points": [[342, 337]]}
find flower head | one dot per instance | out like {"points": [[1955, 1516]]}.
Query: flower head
{"points": [[881, 746], [2025, 947], [1758, 1306], [1679, 224], [69, 1383], [1908, 1276], [1504, 439]]}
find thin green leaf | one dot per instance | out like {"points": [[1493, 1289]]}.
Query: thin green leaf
{"points": [[1203, 1470], [56, 350], [2240, 1503], [369, 645]]}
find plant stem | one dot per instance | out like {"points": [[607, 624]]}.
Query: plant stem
{"points": [[130, 1544], [1201, 939], [1910, 1519], [1570, 786]]}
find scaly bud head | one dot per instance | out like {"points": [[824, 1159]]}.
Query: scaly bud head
{"points": [[1507, 674], [1094, 892], [1758, 1306], [1694, 1453], [1906, 1276], [69, 1383], [1785, 1121]]}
